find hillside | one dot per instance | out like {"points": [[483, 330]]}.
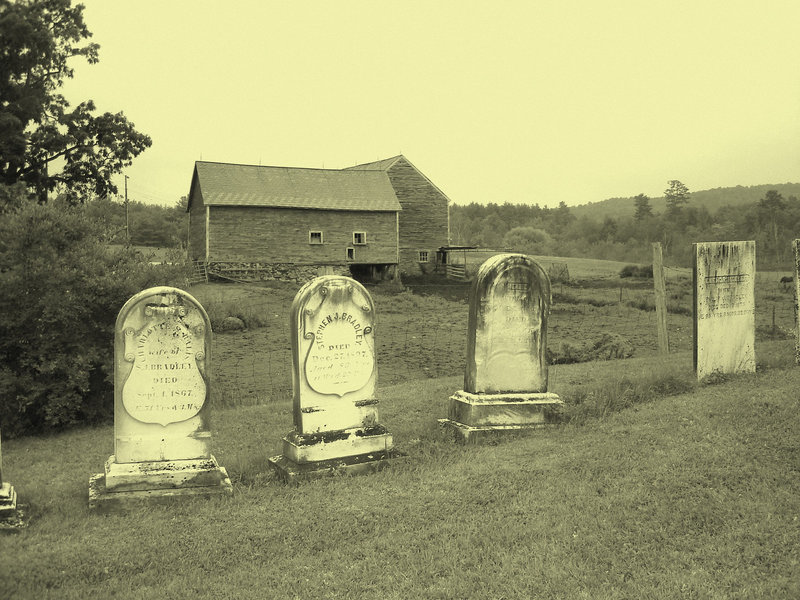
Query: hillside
{"points": [[712, 199]]}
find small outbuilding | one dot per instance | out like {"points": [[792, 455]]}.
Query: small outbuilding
{"points": [[371, 221]]}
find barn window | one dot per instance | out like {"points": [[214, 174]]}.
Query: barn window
{"points": [[351, 254], [314, 237], [359, 237], [423, 256]]}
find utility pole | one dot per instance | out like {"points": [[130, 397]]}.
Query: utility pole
{"points": [[127, 220]]}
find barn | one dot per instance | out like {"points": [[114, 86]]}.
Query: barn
{"points": [[372, 221]]}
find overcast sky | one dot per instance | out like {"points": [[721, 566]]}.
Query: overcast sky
{"points": [[533, 101]]}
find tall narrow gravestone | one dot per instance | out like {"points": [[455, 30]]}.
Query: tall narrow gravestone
{"points": [[724, 307], [162, 372], [11, 516], [796, 251], [334, 369], [505, 381]]}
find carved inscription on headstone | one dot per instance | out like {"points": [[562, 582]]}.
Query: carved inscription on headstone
{"points": [[725, 296], [165, 385], [162, 344], [724, 300], [507, 335], [333, 353], [340, 357]]}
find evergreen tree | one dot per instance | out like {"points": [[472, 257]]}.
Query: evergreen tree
{"points": [[643, 208], [677, 196]]}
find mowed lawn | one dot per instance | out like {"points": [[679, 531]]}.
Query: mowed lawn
{"points": [[688, 496]]}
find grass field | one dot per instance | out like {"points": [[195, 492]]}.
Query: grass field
{"points": [[655, 486], [695, 495]]}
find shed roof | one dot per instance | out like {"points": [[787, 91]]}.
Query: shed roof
{"points": [[225, 184]]}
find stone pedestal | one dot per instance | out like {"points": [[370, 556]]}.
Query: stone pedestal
{"points": [[124, 483], [475, 417], [353, 452], [11, 515]]}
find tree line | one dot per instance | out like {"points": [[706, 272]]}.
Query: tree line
{"points": [[773, 221], [144, 224]]}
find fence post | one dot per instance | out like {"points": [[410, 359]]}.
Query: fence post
{"points": [[661, 299]]}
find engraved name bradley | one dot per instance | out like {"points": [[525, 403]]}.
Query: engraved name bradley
{"points": [[340, 358], [165, 385]]}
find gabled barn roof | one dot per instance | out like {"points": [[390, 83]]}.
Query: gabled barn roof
{"points": [[225, 184], [388, 163], [378, 165]]}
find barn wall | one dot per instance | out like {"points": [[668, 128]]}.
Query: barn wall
{"points": [[281, 235], [197, 225], [423, 220]]}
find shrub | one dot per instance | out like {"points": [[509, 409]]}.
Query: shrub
{"points": [[61, 288], [248, 309], [642, 304], [645, 271]]}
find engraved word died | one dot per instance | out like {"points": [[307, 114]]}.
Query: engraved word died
{"points": [[336, 322], [163, 366]]}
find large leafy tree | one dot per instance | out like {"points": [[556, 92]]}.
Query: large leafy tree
{"points": [[37, 125], [530, 240]]}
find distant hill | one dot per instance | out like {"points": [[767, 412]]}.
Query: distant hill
{"points": [[713, 200]]}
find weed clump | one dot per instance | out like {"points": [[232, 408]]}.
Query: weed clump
{"points": [[613, 396], [608, 346]]}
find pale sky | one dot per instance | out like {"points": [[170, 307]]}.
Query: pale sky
{"points": [[534, 101]]}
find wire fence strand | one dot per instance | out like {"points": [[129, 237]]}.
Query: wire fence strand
{"points": [[424, 336]]}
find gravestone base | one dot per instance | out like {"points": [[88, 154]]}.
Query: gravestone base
{"points": [[11, 515], [476, 417], [126, 483], [352, 452]]}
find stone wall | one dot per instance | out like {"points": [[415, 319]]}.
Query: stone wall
{"points": [[259, 271]]}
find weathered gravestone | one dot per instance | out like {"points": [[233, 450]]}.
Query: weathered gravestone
{"points": [[796, 249], [334, 369], [11, 514], [724, 307], [162, 373], [505, 381]]}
